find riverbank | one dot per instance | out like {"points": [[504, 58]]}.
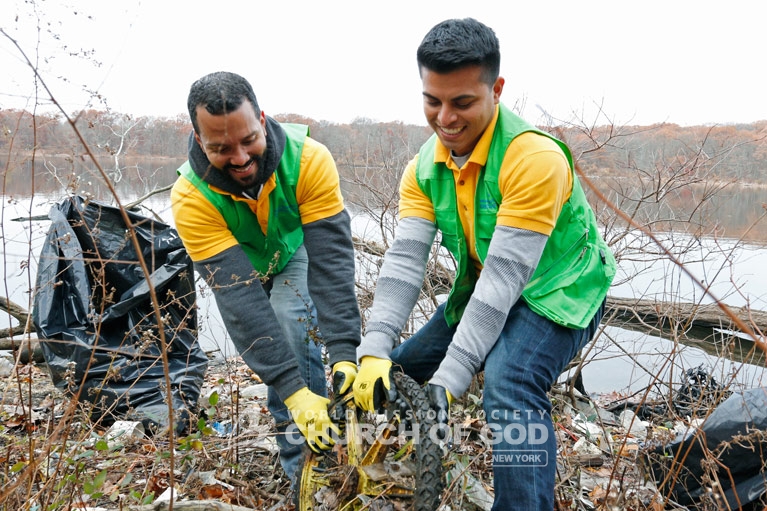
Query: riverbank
{"points": [[230, 457]]}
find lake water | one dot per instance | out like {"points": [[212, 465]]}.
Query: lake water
{"points": [[619, 360]]}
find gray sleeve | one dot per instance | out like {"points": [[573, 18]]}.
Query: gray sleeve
{"points": [[331, 281], [250, 319], [511, 260], [398, 287]]}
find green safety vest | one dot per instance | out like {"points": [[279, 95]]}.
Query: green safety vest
{"points": [[270, 252], [576, 267]]}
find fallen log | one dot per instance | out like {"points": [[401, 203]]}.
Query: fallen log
{"points": [[25, 350], [695, 321], [14, 338], [704, 327], [15, 310]]}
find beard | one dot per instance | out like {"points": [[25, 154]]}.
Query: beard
{"points": [[251, 179]]}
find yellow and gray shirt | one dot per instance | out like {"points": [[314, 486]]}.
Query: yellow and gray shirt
{"points": [[534, 182], [311, 184]]}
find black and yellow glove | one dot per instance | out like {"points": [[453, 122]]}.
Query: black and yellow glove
{"points": [[440, 400], [310, 413], [344, 373], [373, 386]]}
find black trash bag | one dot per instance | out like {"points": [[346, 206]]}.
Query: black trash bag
{"points": [[734, 436], [94, 315]]}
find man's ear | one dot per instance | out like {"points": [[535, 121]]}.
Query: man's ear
{"points": [[197, 138], [498, 89]]}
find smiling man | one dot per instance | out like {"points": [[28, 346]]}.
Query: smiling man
{"points": [[532, 269], [259, 208]]}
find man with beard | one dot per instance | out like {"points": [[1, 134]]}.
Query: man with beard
{"points": [[259, 209]]}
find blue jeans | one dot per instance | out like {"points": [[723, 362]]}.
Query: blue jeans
{"points": [[525, 362], [296, 314]]}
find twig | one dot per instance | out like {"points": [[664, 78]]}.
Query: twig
{"points": [[156, 191], [191, 505]]}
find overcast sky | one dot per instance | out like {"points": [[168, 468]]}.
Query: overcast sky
{"points": [[680, 61]]}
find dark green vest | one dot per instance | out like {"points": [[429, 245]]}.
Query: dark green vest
{"points": [[576, 267], [271, 252]]}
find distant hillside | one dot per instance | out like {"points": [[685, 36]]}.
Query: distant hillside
{"points": [[727, 152]]}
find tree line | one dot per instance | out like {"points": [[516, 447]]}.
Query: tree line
{"points": [[367, 152]]}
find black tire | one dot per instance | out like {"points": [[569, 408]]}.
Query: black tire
{"points": [[429, 482]]}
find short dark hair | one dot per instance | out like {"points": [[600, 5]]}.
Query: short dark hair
{"points": [[220, 93], [458, 43]]}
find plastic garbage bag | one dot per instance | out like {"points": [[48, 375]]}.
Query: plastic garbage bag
{"points": [[93, 312], [728, 452]]}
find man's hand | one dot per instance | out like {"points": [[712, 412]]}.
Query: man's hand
{"points": [[372, 387], [440, 400], [344, 373], [310, 413]]}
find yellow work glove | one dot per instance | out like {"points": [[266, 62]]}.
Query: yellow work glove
{"points": [[344, 373], [372, 387], [310, 413]]}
